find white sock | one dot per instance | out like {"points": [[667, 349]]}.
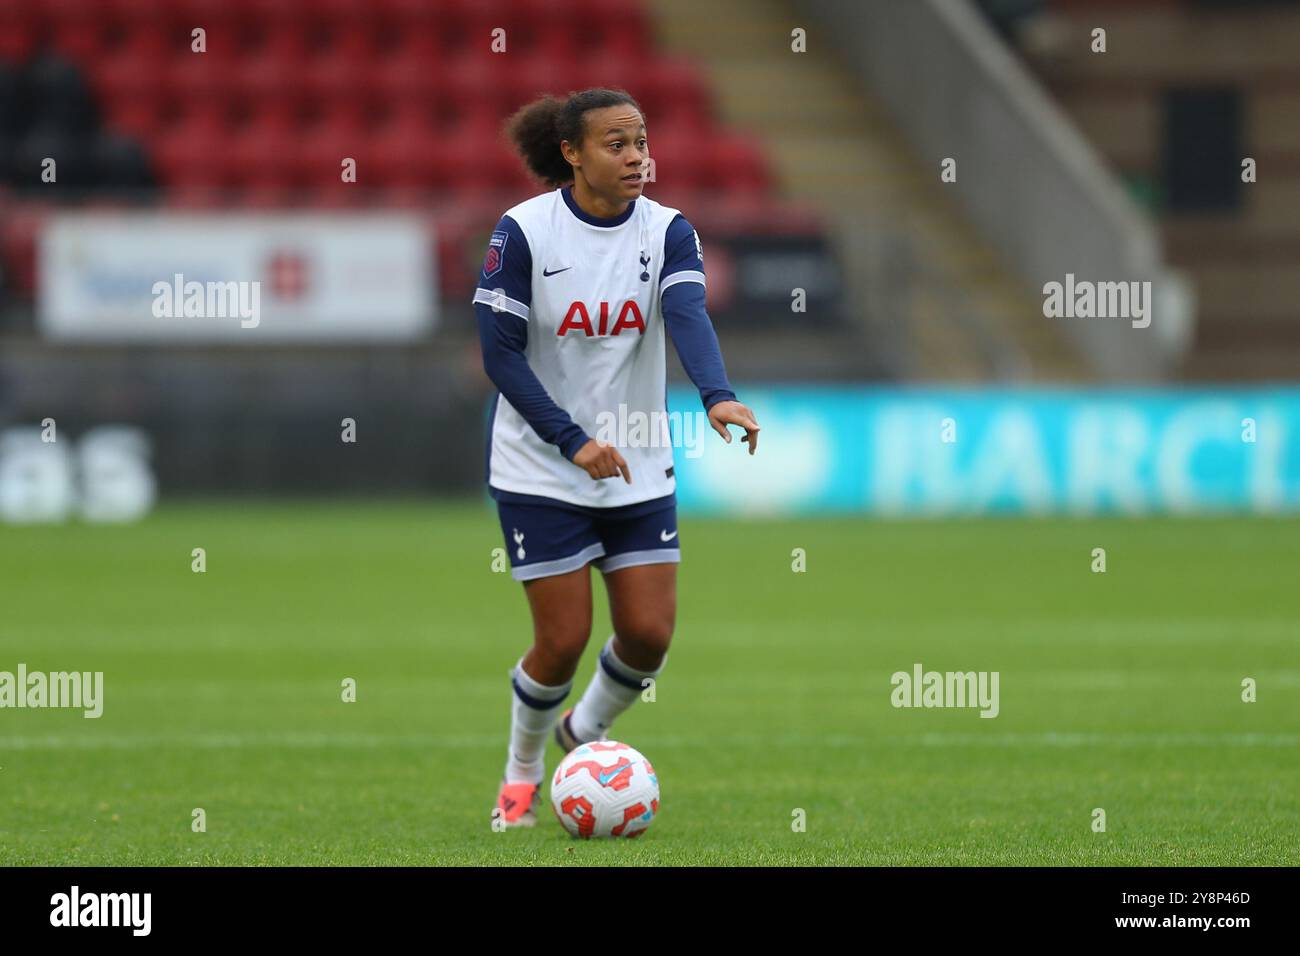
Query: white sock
{"points": [[533, 712], [613, 689]]}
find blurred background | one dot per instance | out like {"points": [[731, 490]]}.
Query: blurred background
{"points": [[883, 189]]}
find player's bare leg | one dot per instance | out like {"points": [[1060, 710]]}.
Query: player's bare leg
{"points": [[561, 608], [643, 610]]}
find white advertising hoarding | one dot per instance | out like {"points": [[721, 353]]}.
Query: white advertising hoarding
{"points": [[173, 277]]}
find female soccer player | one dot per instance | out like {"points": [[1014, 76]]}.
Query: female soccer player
{"points": [[577, 289]]}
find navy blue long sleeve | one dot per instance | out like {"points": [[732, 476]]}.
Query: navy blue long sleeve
{"points": [[502, 337], [687, 321], [502, 303]]}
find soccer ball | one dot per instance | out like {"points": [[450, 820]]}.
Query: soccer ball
{"points": [[605, 789]]}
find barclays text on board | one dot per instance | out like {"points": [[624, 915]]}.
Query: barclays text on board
{"points": [[912, 452]]}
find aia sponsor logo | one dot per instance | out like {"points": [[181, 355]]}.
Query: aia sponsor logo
{"points": [[578, 319]]}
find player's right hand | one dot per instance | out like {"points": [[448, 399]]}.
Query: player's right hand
{"points": [[602, 461]]}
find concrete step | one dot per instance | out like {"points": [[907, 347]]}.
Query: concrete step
{"points": [[834, 146]]}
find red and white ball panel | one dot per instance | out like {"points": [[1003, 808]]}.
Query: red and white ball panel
{"points": [[605, 789]]}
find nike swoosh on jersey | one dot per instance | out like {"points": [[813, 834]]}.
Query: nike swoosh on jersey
{"points": [[557, 271], [665, 536]]}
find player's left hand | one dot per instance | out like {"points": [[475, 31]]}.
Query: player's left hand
{"points": [[733, 413]]}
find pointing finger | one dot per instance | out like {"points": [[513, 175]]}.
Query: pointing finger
{"points": [[623, 467]]}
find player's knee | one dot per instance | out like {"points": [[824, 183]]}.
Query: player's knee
{"points": [[648, 637], [563, 647]]}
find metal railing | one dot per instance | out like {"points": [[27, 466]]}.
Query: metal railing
{"points": [[1027, 178]]}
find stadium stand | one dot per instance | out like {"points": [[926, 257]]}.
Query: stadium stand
{"points": [[1185, 92], [286, 89]]}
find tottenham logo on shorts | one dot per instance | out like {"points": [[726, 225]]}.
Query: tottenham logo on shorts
{"points": [[495, 254], [519, 540]]}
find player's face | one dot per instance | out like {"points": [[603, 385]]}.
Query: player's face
{"points": [[615, 154]]}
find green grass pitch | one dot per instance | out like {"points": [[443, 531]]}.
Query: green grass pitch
{"points": [[1119, 691]]}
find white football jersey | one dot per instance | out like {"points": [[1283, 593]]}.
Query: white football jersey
{"points": [[595, 341]]}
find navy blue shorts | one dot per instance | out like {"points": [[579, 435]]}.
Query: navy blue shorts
{"points": [[546, 537]]}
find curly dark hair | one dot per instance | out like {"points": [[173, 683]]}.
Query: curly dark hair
{"points": [[537, 129]]}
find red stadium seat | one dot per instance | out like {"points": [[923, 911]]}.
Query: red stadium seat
{"points": [[193, 77], [337, 14], [610, 72], [472, 84], [399, 155], [268, 197], [273, 13], [418, 40], [152, 40], [342, 29], [217, 18], [734, 164], [193, 154], [677, 162], [527, 26], [615, 28], [532, 76], [335, 82], [266, 155], [478, 127], [20, 31], [455, 167], [477, 168], [458, 28], [405, 14], [559, 36], [324, 145], [415, 27], [404, 77], [286, 42], [174, 112], [459, 101], [135, 13], [138, 118], [204, 13], [281, 113], [76, 33], [673, 91], [259, 80], [125, 77], [59, 12]]}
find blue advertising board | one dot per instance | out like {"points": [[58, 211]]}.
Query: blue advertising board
{"points": [[921, 451]]}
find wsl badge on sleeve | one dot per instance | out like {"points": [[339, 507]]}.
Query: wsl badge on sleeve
{"points": [[495, 254]]}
